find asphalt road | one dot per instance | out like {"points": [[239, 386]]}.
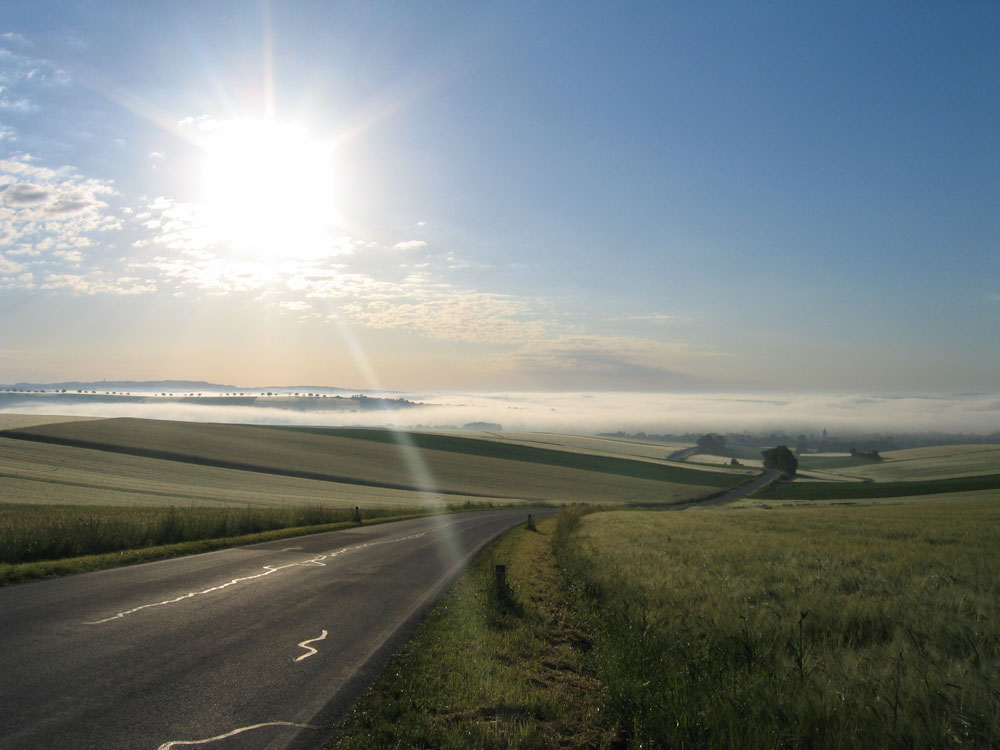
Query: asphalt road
{"points": [[263, 646], [732, 495]]}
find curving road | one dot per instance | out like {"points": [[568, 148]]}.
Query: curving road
{"points": [[732, 495], [263, 646]]}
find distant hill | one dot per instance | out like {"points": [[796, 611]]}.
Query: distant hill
{"points": [[175, 386], [124, 385]]}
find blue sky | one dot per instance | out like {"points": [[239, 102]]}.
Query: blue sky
{"points": [[537, 196]]}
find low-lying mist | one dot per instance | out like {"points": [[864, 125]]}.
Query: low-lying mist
{"points": [[588, 413]]}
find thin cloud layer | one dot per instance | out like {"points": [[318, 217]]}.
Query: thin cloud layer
{"points": [[23, 75]]}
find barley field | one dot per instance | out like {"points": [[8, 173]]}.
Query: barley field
{"points": [[51, 532], [822, 626]]}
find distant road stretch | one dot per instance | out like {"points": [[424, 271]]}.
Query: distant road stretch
{"points": [[734, 494], [257, 647]]}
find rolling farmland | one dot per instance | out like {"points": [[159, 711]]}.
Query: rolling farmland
{"points": [[118, 484], [937, 462], [342, 463]]}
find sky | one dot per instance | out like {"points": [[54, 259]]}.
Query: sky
{"points": [[561, 196]]}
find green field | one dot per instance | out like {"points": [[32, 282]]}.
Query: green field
{"points": [[862, 490], [936, 462], [90, 487], [593, 444], [430, 467], [32, 472], [829, 627], [832, 463], [506, 451]]}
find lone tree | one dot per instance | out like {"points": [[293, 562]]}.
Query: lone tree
{"points": [[780, 458]]}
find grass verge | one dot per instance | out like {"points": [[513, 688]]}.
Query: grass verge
{"points": [[93, 523], [490, 667]]}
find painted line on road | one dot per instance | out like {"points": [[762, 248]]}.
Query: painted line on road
{"points": [[312, 651], [268, 570], [179, 743]]}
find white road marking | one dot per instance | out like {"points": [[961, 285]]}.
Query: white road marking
{"points": [[312, 651], [290, 549], [268, 570], [178, 743]]}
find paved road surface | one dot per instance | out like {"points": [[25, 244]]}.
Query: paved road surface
{"points": [[283, 634], [735, 494]]}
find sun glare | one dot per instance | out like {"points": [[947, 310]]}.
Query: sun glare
{"points": [[269, 190]]}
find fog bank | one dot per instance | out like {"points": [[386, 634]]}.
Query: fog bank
{"points": [[589, 413]]}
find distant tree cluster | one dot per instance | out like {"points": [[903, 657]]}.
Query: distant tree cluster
{"points": [[864, 442], [711, 443], [483, 426], [872, 454], [780, 458]]}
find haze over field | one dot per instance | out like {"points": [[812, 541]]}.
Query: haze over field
{"points": [[531, 197], [596, 412]]}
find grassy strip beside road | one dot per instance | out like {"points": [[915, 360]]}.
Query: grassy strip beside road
{"points": [[47, 541], [489, 667], [550, 457], [859, 490], [822, 627]]}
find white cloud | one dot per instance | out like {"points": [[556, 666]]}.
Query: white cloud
{"points": [[649, 318], [446, 313], [203, 123], [70, 256], [8, 266], [13, 36], [96, 283], [48, 214], [579, 359], [21, 76], [17, 104], [410, 245]]}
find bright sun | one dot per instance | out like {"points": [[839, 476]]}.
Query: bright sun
{"points": [[269, 190]]}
